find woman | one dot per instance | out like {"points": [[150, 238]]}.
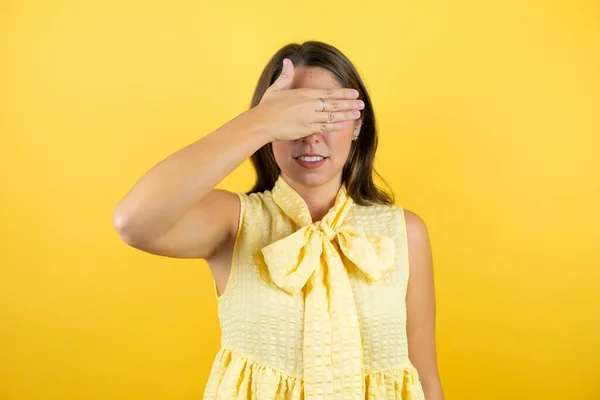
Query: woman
{"points": [[310, 266]]}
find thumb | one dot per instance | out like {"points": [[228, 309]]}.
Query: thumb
{"points": [[285, 78]]}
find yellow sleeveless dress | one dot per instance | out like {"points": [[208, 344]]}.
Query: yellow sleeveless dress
{"points": [[315, 310]]}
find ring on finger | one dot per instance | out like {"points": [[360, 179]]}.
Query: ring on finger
{"points": [[323, 104]]}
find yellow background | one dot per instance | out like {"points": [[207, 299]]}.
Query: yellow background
{"points": [[490, 130]]}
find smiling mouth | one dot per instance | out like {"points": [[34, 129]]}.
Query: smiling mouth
{"points": [[310, 158], [311, 161]]}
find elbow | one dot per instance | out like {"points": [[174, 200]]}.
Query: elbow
{"points": [[122, 220]]}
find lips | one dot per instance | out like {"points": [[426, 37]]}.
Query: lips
{"points": [[310, 161], [310, 155]]}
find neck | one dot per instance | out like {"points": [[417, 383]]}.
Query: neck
{"points": [[319, 199]]}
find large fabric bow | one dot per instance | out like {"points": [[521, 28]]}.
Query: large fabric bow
{"points": [[293, 259], [309, 260]]}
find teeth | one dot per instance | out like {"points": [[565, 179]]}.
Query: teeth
{"points": [[310, 159]]}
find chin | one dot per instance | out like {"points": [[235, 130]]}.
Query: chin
{"points": [[309, 178]]}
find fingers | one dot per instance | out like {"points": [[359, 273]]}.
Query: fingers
{"points": [[285, 78], [328, 127], [338, 105], [331, 116], [344, 93]]}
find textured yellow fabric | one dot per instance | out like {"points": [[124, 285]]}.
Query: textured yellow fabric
{"points": [[315, 310]]}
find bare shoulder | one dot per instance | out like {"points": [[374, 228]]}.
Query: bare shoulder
{"points": [[419, 246], [415, 227], [221, 204], [222, 207]]}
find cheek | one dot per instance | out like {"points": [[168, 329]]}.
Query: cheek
{"points": [[281, 150], [340, 142], [345, 135]]}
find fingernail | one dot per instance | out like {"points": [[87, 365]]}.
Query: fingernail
{"points": [[361, 104]]}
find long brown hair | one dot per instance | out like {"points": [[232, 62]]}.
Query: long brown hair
{"points": [[358, 171]]}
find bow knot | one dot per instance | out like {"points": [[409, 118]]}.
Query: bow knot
{"points": [[328, 231], [292, 260]]}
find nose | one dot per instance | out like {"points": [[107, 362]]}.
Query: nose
{"points": [[313, 138]]}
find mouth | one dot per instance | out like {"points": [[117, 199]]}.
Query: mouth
{"points": [[310, 161]]}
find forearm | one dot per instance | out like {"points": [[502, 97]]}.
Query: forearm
{"points": [[169, 189], [432, 388]]}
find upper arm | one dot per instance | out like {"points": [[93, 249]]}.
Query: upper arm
{"points": [[420, 299], [207, 227]]}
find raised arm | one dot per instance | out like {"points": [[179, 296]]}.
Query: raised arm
{"points": [[174, 209]]}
